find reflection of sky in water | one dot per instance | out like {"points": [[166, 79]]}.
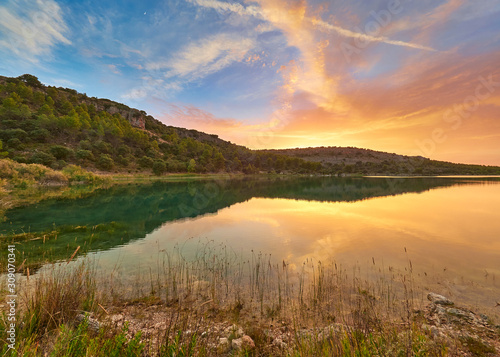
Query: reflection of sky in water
{"points": [[451, 234]]}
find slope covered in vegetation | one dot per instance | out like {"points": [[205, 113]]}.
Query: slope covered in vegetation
{"points": [[351, 160], [58, 126]]}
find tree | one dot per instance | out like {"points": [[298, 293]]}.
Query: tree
{"points": [[43, 158], [145, 162], [60, 152], [105, 162], [38, 98], [159, 167], [30, 80], [45, 109], [83, 154], [220, 163], [2, 153], [191, 167], [9, 104]]}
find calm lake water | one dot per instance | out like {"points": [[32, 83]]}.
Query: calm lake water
{"points": [[449, 228]]}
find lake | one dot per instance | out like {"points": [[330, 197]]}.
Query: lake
{"points": [[446, 229]]}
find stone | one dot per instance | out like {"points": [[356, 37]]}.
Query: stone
{"points": [[116, 318], [244, 343], [92, 324], [278, 342], [223, 345], [435, 332], [234, 331], [439, 299]]}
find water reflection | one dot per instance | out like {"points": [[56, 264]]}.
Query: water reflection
{"points": [[450, 236], [447, 227], [116, 216]]}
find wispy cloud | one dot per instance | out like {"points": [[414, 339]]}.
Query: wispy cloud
{"points": [[365, 37], [31, 29], [204, 57], [322, 25], [233, 7]]}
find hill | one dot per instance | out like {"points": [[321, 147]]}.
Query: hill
{"points": [[56, 127], [370, 162], [59, 126]]}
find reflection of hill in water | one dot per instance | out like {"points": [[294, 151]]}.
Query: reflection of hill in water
{"points": [[112, 217]]}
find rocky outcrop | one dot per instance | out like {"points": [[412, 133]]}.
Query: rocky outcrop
{"points": [[439, 299], [93, 325], [136, 118], [446, 321]]}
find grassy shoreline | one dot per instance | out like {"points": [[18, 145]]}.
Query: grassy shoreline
{"points": [[216, 305], [25, 184]]}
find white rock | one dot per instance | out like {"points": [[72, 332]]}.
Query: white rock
{"points": [[243, 343], [439, 299]]}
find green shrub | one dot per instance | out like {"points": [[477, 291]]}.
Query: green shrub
{"points": [[85, 145], [159, 167], [84, 155], [21, 159], [105, 162], [39, 135], [145, 162], [124, 150], [42, 158], [13, 133], [103, 147], [123, 160], [61, 152], [2, 153], [76, 173]]}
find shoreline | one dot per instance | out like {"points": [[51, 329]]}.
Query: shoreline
{"points": [[265, 312]]}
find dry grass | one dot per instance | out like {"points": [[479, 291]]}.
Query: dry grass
{"points": [[184, 305]]}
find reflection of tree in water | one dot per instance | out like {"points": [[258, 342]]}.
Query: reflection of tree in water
{"points": [[111, 217]]}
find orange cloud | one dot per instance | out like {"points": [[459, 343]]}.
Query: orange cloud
{"points": [[430, 105]]}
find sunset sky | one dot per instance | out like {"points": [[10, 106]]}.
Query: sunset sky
{"points": [[411, 77]]}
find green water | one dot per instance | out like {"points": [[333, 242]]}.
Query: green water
{"points": [[121, 214], [448, 227]]}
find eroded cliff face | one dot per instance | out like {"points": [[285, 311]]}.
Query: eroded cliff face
{"points": [[134, 116]]}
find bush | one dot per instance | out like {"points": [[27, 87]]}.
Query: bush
{"points": [[159, 167], [103, 147], [124, 150], [61, 152], [59, 164], [123, 160], [13, 133], [15, 143], [53, 177], [39, 135], [85, 145], [105, 162], [43, 158], [145, 162], [85, 155], [76, 173], [21, 159]]}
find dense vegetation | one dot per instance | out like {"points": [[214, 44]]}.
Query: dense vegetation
{"points": [[59, 126], [349, 160]]}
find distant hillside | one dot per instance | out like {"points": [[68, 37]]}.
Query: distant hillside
{"points": [[369, 162], [59, 126], [56, 127]]}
